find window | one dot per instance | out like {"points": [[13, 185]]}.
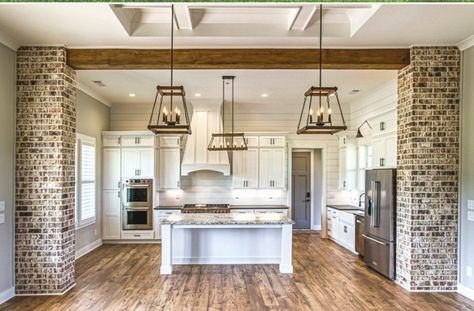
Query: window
{"points": [[85, 180], [365, 162]]}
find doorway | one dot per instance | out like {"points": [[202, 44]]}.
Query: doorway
{"points": [[301, 190]]}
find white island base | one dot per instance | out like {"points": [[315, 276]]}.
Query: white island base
{"points": [[224, 241]]}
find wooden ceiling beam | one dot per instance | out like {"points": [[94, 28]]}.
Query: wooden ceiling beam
{"points": [[112, 59]]}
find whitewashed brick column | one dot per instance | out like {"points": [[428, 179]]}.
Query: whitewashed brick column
{"points": [[427, 181], [45, 177]]}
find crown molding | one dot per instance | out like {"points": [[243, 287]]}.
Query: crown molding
{"points": [[8, 41], [466, 43], [93, 94]]}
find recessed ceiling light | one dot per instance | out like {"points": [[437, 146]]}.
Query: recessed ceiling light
{"points": [[197, 94], [264, 95], [132, 95]]}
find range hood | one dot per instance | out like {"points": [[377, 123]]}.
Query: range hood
{"points": [[206, 119]]}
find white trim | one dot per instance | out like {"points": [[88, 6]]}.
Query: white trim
{"points": [[8, 41], [93, 94], [50, 294], [88, 248], [466, 43], [466, 291], [225, 260], [131, 242], [7, 294]]}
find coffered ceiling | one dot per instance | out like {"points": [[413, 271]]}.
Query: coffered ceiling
{"points": [[241, 25]]}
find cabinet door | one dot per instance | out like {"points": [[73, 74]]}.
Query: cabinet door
{"points": [[169, 142], [111, 214], [347, 235], [342, 168], [265, 168], [111, 141], [278, 168], [391, 151], [111, 168], [378, 152], [146, 162], [138, 141], [351, 167], [250, 168], [158, 217], [170, 168], [252, 141], [130, 163], [272, 141], [238, 169]]}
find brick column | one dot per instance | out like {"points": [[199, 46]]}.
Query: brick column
{"points": [[45, 175], [427, 183]]}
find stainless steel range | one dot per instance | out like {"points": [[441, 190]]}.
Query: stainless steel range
{"points": [[206, 208]]}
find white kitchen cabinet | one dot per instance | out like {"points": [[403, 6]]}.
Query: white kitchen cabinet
{"points": [[111, 168], [272, 166], [263, 211], [111, 214], [158, 217], [252, 141], [138, 235], [245, 169], [170, 142], [138, 141], [170, 164], [242, 211], [341, 228], [272, 141], [111, 140], [137, 162], [384, 151], [348, 166]]}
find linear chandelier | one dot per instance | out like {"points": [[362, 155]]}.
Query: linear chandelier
{"points": [[168, 119], [322, 122], [227, 141]]}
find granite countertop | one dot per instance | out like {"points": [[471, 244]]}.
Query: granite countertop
{"points": [[227, 219], [176, 207], [357, 213]]}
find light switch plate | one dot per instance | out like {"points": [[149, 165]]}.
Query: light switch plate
{"points": [[470, 204], [470, 216], [2, 206], [2, 218]]}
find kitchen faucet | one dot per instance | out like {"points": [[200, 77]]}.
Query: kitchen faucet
{"points": [[360, 199]]}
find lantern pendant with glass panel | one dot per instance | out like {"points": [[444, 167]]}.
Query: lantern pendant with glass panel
{"points": [[172, 115], [227, 141], [317, 116]]}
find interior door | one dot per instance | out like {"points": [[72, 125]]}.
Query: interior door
{"points": [[301, 185]]}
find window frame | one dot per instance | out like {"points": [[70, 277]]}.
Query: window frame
{"points": [[80, 141]]}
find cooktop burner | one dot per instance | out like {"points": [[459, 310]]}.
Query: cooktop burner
{"points": [[206, 208]]}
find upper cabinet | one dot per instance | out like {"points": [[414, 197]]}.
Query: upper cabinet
{"points": [[272, 141], [245, 168], [138, 141], [111, 168], [272, 166], [138, 162], [384, 151], [347, 162], [169, 159], [111, 140]]}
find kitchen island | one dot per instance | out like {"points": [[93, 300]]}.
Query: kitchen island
{"points": [[226, 239]]}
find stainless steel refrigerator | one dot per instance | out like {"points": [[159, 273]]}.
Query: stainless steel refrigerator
{"points": [[380, 218]]}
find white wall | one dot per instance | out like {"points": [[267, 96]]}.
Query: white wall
{"points": [[7, 167], [92, 118]]}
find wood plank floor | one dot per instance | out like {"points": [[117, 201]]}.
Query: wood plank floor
{"points": [[327, 277]]}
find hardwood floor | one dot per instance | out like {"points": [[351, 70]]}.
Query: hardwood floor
{"points": [[327, 277]]}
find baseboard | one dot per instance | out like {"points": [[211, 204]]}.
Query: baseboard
{"points": [[88, 248], [7, 294], [225, 260], [466, 291], [132, 242]]}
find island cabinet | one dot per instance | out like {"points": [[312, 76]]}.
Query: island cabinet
{"points": [[158, 217], [245, 169]]}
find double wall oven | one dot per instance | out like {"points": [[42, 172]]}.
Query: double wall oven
{"points": [[137, 204]]}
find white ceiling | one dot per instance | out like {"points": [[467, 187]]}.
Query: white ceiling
{"points": [[235, 24], [281, 86]]}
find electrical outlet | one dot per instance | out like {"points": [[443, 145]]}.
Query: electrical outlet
{"points": [[2, 206], [470, 204], [469, 271], [2, 218], [470, 215]]}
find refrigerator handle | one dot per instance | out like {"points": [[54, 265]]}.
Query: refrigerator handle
{"points": [[375, 216]]}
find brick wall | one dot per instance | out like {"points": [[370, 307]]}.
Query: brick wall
{"points": [[427, 182], [45, 177]]}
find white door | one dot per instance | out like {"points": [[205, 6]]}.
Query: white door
{"points": [[278, 168], [238, 169], [111, 170], [251, 167], [146, 162], [130, 163], [111, 214], [264, 180], [170, 168], [391, 151]]}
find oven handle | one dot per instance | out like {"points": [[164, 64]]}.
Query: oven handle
{"points": [[137, 208], [136, 186]]}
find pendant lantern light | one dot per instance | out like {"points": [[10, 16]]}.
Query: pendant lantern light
{"points": [[172, 102], [227, 141], [314, 117]]}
